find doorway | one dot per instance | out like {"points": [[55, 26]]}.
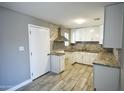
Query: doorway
{"points": [[39, 48]]}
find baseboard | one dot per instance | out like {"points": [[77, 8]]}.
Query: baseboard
{"points": [[20, 85]]}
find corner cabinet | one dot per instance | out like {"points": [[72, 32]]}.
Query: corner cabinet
{"points": [[113, 26]]}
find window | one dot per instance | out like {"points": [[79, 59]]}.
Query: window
{"points": [[66, 36]]}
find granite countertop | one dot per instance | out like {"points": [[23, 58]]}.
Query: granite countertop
{"points": [[57, 54], [90, 51], [106, 59]]}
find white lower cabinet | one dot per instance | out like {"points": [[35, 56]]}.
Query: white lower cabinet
{"points": [[77, 56], [106, 78], [84, 57], [81, 57], [57, 63], [87, 60], [70, 57], [91, 57]]}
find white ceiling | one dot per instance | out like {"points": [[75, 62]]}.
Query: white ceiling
{"points": [[62, 13]]}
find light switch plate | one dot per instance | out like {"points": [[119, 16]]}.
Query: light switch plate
{"points": [[21, 48]]}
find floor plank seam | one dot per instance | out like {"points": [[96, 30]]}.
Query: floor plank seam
{"points": [[75, 77]]}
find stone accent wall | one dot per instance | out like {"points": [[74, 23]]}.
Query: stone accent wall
{"points": [[54, 33]]}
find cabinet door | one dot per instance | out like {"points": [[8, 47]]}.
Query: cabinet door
{"points": [[92, 57], [69, 57], [75, 57], [54, 62], [72, 59], [89, 58], [83, 58], [62, 63], [106, 78], [113, 26], [79, 57]]}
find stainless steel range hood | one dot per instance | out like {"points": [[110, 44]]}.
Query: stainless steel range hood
{"points": [[60, 38], [59, 42]]}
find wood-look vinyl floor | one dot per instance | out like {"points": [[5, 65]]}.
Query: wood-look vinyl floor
{"points": [[76, 77]]}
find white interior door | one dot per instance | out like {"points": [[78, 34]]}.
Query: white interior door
{"points": [[39, 44]]}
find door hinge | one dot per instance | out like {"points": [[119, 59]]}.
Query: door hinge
{"points": [[31, 53], [30, 32], [32, 74]]}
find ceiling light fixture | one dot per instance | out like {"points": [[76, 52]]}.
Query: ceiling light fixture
{"points": [[79, 21], [92, 30]]}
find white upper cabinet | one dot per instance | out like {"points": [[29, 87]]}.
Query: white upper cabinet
{"points": [[113, 26], [85, 34]]}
